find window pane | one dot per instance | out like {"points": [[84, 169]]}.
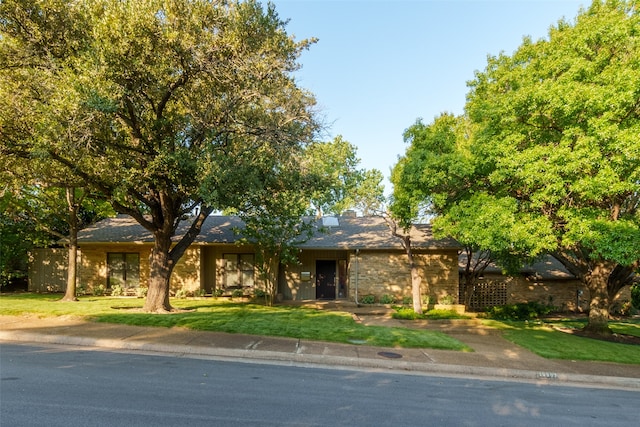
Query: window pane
{"points": [[132, 270], [116, 270], [247, 278]]}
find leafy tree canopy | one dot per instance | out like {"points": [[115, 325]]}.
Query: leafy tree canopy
{"points": [[165, 107], [552, 159]]}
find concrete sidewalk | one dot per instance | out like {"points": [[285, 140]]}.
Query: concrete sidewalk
{"points": [[493, 357]]}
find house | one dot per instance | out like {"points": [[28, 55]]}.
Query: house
{"points": [[545, 281], [347, 258]]}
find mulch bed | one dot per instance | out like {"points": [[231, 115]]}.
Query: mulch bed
{"points": [[617, 338]]}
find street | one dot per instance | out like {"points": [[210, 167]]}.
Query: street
{"points": [[67, 386]]}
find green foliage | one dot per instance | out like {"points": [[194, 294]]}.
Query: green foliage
{"points": [[447, 299], [117, 291], [237, 293], [635, 296], [367, 299], [546, 157], [406, 313], [339, 184], [519, 311], [194, 106], [387, 299]]}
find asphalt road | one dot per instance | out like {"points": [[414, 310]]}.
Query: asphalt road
{"points": [[64, 386]]}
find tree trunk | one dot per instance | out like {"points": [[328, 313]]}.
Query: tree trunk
{"points": [[415, 278], [160, 268], [599, 306], [72, 268], [163, 257], [272, 262]]}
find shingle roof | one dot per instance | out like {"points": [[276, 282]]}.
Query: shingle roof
{"points": [[351, 233]]}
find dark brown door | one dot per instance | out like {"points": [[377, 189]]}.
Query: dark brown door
{"points": [[325, 279]]}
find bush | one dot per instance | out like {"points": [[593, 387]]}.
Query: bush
{"points": [[218, 293], [117, 291], [387, 299], [519, 311], [447, 299], [368, 299], [404, 313], [407, 300], [141, 292], [237, 293], [99, 290], [635, 296]]}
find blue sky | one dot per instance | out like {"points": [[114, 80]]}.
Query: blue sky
{"points": [[380, 64]]}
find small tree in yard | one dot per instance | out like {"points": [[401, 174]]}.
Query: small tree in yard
{"points": [[179, 107]]}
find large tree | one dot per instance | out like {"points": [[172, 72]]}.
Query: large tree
{"points": [[438, 178], [339, 183], [176, 108], [558, 138]]}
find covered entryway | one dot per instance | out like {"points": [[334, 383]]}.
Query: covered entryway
{"points": [[325, 279]]}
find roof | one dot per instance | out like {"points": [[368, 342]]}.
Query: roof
{"points": [[547, 268], [350, 233]]}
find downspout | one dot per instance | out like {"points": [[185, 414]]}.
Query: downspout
{"points": [[356, 293]]}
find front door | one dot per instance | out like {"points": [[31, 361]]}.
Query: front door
{"points": [[325, 279]]}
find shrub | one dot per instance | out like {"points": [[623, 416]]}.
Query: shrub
{"points": [[368, 299], [218, 293], [99, 290], [117, 291], [447, 299], [407, 300], [404, 313], [259, 293], [81, 290], [635, 296], [387, 299], [141, 292], [237, 293], [181, 293], [519, 311]]}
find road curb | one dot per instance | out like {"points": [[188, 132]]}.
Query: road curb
{"points": [[320, 360]]}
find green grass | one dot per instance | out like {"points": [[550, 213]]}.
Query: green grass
{"points": [[542, 339], [233, 317]]}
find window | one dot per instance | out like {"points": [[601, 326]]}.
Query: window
{"points": [[238, 270], [123, 269]]}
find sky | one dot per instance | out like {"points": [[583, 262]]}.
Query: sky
{"points": [[379, 65]]}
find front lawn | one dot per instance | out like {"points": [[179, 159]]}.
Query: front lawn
{"points": [[209, 314], [545, 339]]}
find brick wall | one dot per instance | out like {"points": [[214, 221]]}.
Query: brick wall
{"points": [[379, 273]]}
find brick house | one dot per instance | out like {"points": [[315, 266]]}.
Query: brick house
{"points": [[348, 257]]}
